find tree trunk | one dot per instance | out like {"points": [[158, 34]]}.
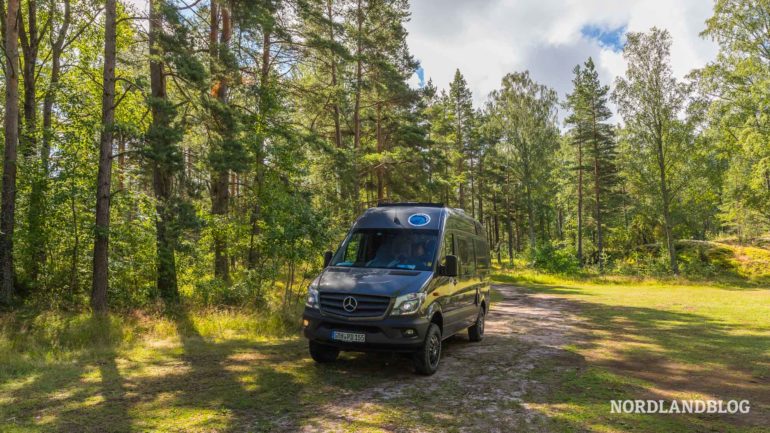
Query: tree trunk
{"points": [[460, 169], [220, 199], [30, 44], [497, 226], [104, 176], [509, 217], [11, 124], [161, 175], [598, 210], [531, 219], [446, 175], [380, 148], [259, 176], [670, 242], [220, 192], [580, 206], [53, 88], [333, 63], [481, 189], [357, 105], [74, 280], [510, 239]]}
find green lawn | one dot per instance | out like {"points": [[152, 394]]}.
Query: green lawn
{"points": [[646, 339]]}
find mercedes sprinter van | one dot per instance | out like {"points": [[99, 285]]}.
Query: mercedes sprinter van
{"points": [[406, 277]]}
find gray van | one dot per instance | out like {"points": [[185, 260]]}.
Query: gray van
{"points": [[406, 277]]}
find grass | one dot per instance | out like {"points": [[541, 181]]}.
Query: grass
{"points": [[235, 370], [651, 339], [65, 372]]}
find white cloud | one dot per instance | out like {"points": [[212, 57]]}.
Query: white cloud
{"points": [[486, 39]]}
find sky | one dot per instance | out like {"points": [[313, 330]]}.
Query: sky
{"points": [[486, 39]]}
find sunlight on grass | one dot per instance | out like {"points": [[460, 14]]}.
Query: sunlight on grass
{"points": [[223, 370], [656, 339], [75, 372]]}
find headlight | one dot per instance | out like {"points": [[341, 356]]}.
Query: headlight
{"points": [[312, 298], [408, 304]]}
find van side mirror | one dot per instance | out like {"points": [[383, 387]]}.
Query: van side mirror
{"points": [[450, 267], [328, 258]]}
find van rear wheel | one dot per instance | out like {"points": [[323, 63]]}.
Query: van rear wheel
{"points": [[426, 359], [476, 332], [322, 353]]}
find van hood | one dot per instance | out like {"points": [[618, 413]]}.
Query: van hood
{"points": [[369, 281]]}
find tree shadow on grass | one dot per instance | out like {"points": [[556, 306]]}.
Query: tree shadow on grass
{"points": [[649, 353], [232, 385], [239, 379], [85, 394]]}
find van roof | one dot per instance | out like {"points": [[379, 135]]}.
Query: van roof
{"points": [[429, 216], [409, 204]]}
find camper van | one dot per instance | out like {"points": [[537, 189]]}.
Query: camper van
{"points": [[406, 277]]}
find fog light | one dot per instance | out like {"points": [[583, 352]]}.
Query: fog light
{"points": [[305, 322], [409, 332]]}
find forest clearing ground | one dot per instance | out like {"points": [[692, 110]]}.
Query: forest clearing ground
{"points": [[556, 352], [482, 387]]}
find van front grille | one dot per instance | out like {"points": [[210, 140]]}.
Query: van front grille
{"points": [[365, 305]]}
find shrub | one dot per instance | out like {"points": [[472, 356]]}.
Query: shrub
{"points": [[549, 258]]}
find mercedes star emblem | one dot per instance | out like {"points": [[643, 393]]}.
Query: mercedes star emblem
{"points": [[349, 304]]}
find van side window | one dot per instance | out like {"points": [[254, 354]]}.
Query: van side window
{"points": [[466, 256], [482, 254], [353, 252]]}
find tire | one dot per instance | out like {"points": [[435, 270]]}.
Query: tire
{"points": [[476, 332], [426, 359], [322, 353]]}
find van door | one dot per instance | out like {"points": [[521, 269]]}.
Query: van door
{"points": [[468, 280], [445, 287]]}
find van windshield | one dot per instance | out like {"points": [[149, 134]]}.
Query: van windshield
{"points": [[389, 249]]}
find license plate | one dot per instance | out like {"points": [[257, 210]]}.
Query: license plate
{"points": [[349, 337]]}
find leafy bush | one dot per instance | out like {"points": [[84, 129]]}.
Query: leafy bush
{"points": [[648, 262], [548, 257], [247, 291]]}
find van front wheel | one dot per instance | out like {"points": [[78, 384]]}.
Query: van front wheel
{"points": [[322, 353], [427, 358]]}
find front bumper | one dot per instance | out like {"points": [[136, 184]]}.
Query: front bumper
{"points": [[381, 335]]}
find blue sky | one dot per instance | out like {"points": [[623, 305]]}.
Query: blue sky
{"points": [[420, 76], [607, 38]]}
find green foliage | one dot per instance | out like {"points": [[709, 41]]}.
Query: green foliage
{"points": [[549, 258], [267, 144]]}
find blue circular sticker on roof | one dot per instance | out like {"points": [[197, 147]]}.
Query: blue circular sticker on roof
{"points": [[419, 219]]}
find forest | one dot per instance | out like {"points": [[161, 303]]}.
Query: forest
{"points": [[208, 152]]}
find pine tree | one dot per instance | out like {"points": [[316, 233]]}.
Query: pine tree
{"points": [[104, 176], [592, 134], [226, 153], [169, 46], [462, 111]]}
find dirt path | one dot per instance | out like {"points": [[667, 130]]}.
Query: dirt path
{"points": [[485, 387]]}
